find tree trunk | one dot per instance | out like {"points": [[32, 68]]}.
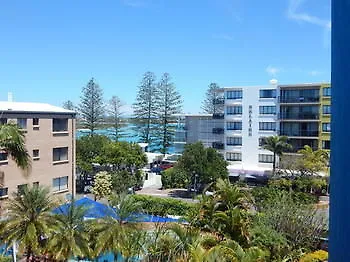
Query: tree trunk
{"points": [[274, 164]]}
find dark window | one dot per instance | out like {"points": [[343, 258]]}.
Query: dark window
{"points": [[327, 91], [234, 110], [265, 158], [234, 141], [35, 121], [267, 110], [59, 124], [3, 121], [268, 93], [4, 191], [326, 144], [36, 153], [35, 184], [270, 126], [21, 188], [60, 154], [60, 183], [234, 125], [22, 123], [262, 141], [326, 110], [3, 156], [235, 94], [234, 156], [326, 127]]}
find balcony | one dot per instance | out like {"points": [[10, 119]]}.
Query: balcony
{"points": [[299, 99], [218, 130], [218, 116], [300, 133], [219, 101], [298, 116], [218, 145]]}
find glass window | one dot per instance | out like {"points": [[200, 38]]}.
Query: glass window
{"points": [[326, 127], [60, 183], [22, 123], [267, 110], [234, 141], [35, 121], [234, 110], [21, 188], [234, 125], [326, 110], [327, 91], [3, 121], [326, 144], [233, 156], [36, 153], [3, 156], [234, 94], [270, 126], [60, 154], [268, 93], [4, 191], [262, 141], [263, 158], [59, 124]]}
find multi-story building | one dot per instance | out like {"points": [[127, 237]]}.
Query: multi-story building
{"points": [[50, 141]]}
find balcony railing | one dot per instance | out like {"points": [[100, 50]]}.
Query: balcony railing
{"points": [[218, 116], [299, 133], [298, 99], [219, 101], [218, 130], [310, 116], [218, 145]]}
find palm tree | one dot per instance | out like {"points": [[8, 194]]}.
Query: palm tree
{"points": [[29, 220], [277, 145], [314, 161], [70, 237]]}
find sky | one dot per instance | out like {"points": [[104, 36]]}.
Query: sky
{"points": [[50, 49]]}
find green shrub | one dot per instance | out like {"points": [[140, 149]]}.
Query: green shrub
{"points": [[174, 178], [317, 256], [163, 206], [5, 259]]}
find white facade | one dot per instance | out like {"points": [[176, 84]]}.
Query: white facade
{"points": [[250, 114]]}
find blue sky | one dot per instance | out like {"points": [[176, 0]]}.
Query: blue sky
{"points": [[50, 49]]}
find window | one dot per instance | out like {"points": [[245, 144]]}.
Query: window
{"points": [[268, 93], [234, 141], [234, 110], [36, 184], [234, 125], [59, 124], [4, 191], [36, 154], [326, 110], [60, 183], [22, 123], [326, 144], [235, 94], [60, 154], [265, 158], [3, 156], [35, 121], [326, 127], [267, 110], [234, 156], [3, 121], [269, 126], [327, 91], [21, 188], [262, 141]]}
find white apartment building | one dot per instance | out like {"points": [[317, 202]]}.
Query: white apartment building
{"points": [[250, 115]]}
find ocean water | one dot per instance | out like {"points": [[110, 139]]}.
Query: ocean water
{"points": [[128, 134]]}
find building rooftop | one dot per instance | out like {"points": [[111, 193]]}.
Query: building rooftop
{"points": [[24, 107]]}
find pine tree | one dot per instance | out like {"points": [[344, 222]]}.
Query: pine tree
{"points": [[114, 110], [91, 106], [169, 103], [211, 95], [145, 107]]}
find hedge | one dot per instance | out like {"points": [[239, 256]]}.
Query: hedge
{"points": [[163, 206]]}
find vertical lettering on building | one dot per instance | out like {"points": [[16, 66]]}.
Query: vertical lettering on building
{"points": [[250, 120]]}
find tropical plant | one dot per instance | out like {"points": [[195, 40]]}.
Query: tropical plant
{"points": [[277, 145], [317, 256], [102, 185], [313, 161], [70, 237], [29, 220]]}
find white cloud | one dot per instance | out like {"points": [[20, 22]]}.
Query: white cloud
{"points": [[272, 71], [226, 37], [315, 73], [294, 14]]}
